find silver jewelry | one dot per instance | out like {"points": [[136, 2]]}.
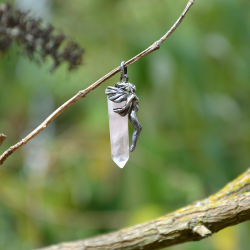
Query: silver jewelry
{"points": [[124, 92]]}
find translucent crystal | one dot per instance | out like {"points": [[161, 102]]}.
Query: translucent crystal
{"points": [[118, 128]]}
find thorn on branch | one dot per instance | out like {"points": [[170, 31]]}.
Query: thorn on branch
{"points": [[36, 41], [202, 231], [2, 138]]}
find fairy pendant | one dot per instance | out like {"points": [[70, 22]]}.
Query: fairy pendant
{"points": [[123, 105]]}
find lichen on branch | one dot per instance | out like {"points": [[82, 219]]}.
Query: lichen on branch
{"points": [[228, 207], [37, 42]]}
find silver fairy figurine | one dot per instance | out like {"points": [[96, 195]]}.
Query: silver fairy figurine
{"points": [[125, 91]]}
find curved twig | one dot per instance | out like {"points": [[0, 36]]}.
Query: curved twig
{"points": [[155, 46], [228, 207]]}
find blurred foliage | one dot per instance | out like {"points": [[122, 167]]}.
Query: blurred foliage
{"points": [[194, 109]]}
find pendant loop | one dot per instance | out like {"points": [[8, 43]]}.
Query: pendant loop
{"points": [[124, 71]]}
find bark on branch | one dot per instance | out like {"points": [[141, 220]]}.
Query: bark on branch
{"points": [[81, 94], [228, 207]]}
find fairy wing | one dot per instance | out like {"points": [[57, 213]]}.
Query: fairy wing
{"points": [[124, 110], [119, 95], [116, 95]]}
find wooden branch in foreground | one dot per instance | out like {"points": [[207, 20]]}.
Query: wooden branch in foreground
{"points": [[81, 94], [228, 207], [2, 138]]}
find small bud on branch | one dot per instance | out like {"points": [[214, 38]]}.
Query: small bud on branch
{"points": [[2, 138]]}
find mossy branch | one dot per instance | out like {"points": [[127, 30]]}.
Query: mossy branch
{"points": [[228, 207], [37, 42]]}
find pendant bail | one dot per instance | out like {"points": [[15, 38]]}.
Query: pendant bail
{"points": [[124, 71]]}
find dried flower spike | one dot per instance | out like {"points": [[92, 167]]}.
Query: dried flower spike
{"points": [[37, 42]]}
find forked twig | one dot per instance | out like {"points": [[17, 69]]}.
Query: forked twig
{"points": [[155, 46]]}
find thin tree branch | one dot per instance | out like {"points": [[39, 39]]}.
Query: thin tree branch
{"points": [[81, 94], [228, 207], [2, 138]]}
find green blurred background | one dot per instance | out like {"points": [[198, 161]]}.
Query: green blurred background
{"points": [[194, 109]]}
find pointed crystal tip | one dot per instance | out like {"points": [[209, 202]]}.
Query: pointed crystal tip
{"points": [[119, 161], [118, 126]]}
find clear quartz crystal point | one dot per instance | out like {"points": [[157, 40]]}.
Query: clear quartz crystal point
{"points": [[118, 128]]}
